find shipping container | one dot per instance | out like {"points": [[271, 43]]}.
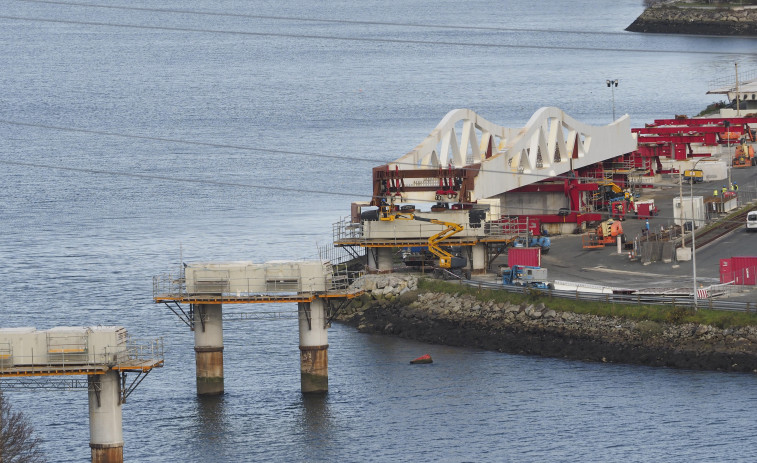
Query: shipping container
{"points": [[744, 270], [726, 274], [524, 256], [739, 270], [682, 210]]}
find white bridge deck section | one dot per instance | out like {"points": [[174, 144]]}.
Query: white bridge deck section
{"points": [[27, 351], [244, 282], [550, 144], [406, 229], [249, 278]]}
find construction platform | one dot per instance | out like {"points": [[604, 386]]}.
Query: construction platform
{"points": [[183, 298], [352, 231], [68, 351], [72, 370], [248, 283]]}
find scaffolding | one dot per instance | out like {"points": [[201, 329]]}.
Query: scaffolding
{"points": [[67, 356]]}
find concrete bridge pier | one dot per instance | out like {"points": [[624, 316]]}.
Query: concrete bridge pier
{"points": [[208, 328], [106, 438], [478, 259], [314, 345], [379, 260]]}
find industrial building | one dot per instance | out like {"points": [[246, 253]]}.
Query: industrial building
{"points": [[471, 188]]}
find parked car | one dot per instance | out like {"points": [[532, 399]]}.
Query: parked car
{"points": [[751, 221]]}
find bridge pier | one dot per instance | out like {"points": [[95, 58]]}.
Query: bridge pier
{"points": [[208, 328], [379, 260], [106, 439], [478, 259], [314, 358]]}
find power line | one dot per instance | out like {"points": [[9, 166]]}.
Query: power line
{"points": [[184, 142], [324, 20], [270, 150], [171, 179], [375, 40], [263, 150], [248, 185]]}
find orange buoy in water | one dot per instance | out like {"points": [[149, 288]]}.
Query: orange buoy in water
{"points": [[422, 359]]}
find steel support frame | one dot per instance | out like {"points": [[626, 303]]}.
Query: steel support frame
{"points": [[60, 383], [374, 251], [44, 382], [126, 390], [333, 309], [187, 318], [351, 251], [306, 311]]}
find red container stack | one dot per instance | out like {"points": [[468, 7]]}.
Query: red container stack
{"points": [[739, 270], [524, 256]]}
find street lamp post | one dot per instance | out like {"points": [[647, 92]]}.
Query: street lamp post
{"points": [[693, 237], [727, 125], [612, 83], [693, 231]]}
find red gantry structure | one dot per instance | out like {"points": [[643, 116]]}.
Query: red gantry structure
{"points": [[676, 139]]}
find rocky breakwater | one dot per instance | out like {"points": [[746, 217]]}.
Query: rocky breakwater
{"points": [[393, 305], [679, 18]]}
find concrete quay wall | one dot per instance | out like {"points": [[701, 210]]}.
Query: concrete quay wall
{"points": [[393, 305], [671, 19]]}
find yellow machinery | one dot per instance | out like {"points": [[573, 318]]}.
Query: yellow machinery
{"points": [[606, 183], [387, 212], [695, 175]]}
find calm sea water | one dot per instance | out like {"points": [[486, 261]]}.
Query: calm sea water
{"points": [[210, 114]]}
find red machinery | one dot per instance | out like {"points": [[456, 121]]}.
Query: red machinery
{"points": [[606, 233], [646, 210], [673, 138], [619, 209], [744, 156]]}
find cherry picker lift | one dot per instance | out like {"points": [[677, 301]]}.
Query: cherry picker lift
{"points": [[447, 261]]}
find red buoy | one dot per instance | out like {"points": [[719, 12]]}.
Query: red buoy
{"points": [[422, 359]]}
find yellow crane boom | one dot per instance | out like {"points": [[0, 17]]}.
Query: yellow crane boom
{"points": [[445, 258]]}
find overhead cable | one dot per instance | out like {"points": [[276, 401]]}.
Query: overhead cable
{"points": [[408, 198], [375, 39]]}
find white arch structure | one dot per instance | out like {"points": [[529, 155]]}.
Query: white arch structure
{"points": [[550, 144]]}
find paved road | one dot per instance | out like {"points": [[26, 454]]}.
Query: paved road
{"points": [[567, 260]]}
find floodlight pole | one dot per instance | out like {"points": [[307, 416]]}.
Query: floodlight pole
{"points": [[612, 83]]}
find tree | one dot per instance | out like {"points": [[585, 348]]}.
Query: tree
{"points": [[17, 442]]}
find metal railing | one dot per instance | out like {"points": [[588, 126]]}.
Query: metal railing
{"points": [[6, 354], [345, 229], [167, 285], [142, 350], [52, 356], [505, 228], [746, 196], [640, 299], [726, 80]]}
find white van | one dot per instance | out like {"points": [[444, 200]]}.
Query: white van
{"points": [[751, 221]]}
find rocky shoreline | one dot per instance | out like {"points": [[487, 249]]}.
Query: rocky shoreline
{"points": [[393, 305], [671, 19]]}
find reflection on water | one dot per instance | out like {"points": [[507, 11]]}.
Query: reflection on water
{"points": [[209, 435], [211, 417], [316, 422], [315, 412]]}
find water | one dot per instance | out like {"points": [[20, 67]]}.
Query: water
{"points": [[80, 243]]}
